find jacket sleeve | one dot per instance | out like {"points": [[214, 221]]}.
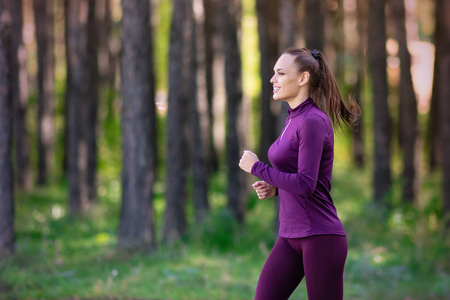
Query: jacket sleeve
{"points": [[312, 135]]}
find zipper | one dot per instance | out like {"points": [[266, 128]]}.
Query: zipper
{"points": [[284, 130]]}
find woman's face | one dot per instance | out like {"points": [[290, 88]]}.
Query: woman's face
{"points": [[286, 80]]}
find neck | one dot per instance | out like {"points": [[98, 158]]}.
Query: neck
{"points": [[301, 97]]}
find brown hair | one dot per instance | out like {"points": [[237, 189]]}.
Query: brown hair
{"points": [[324, 90]]}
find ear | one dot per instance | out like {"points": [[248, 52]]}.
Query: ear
{"points": [[304, 78]]}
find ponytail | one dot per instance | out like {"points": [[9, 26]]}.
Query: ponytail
{"points": [[324, 90]]}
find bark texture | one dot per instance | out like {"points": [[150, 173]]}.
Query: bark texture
{"points": [[43, 17], [408, 105], [106, 59], [339, 42], [289, 24], [19, 94], [231, 16], [177, 156], [434, 121], [210, 35], [136, 229], [92, 105], [198, 114], [382, 125], [80, 99], [6, 124], [315, 24], [358, 143]]}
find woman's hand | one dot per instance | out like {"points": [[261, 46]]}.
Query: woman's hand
{"points": [[247, 161], [264, 190]]}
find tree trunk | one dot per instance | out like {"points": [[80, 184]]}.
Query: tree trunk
{"points": [[358, 143], [230, 17], [434, 122], [81, 102], [339, 42], [433, 131], [408, 105], [442, 13], [92, 105], [382, 126], [268, 29], [177, 158], [210, 31], [107, 49], [198, 117], [288, 16], [19, 84], [315, 24], [6, 124], [78, 81], [136, 230], [43, 17], [65, 159], [105, 61]]}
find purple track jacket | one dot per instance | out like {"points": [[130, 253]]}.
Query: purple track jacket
{"points": [[302, 160]]}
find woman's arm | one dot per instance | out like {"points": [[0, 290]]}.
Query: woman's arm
{"points": [[311, 140]]}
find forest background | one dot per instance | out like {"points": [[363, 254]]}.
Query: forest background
{"points": [[122, 124]]}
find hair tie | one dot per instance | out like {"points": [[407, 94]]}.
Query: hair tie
{"points": [[315, 53]]}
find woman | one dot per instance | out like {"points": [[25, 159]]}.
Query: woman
{"points": [[312, 241]]}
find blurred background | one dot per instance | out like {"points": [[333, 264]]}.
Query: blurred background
{"points": [[122, 124]]}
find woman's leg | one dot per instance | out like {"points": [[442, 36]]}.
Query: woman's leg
{"points": [[281, 273], [324, 259]]}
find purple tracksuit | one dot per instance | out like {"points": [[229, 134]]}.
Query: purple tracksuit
{"points": [[302, 160]]}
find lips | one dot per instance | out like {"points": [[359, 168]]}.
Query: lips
{"points": [[276, 89]]}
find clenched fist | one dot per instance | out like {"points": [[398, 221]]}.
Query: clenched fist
{"points": [[247, 161], [264, 190]]}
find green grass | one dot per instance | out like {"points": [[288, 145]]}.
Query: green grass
{"points": [[396, 254]]}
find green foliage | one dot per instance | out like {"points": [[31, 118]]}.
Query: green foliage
{"points": [[217, 231], [161, 42], [396, 252], [109, 139]]}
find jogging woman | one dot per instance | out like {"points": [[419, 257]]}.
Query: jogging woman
{"points": [[312, 242]]}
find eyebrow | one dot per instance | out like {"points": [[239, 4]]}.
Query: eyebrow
{"points": [[279, 69]]}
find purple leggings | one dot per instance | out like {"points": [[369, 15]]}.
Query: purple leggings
{"points": [[320, 259]]}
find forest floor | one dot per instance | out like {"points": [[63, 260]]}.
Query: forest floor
{"points": [[395, 253]]}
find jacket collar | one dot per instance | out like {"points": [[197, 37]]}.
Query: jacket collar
{"points": [[293, 112]]}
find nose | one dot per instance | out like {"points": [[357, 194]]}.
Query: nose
{"points": [[272, 80]]}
